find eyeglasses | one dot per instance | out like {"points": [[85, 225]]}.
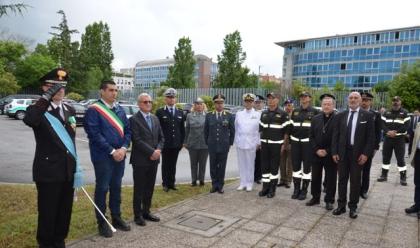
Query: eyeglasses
{"points": [[147, 102]]}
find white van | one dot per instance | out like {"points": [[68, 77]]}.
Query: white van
{"points": [[17, 108]]}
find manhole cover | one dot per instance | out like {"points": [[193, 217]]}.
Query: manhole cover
{"points": [[201, 223]]}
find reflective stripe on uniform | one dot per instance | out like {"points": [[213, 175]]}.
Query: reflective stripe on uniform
{"points": [[399, 121], [307, 176], [385, 166], [266, 175], [296, 124], [272, 177], [404, 168], [276, 126], [299, 140], [406, 119], [306, 124], [297, 174], [399, 134], [272, 141], [265, 180], [263, 125]]}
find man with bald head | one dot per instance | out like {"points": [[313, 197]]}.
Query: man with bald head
{"points": [[351, 146]]}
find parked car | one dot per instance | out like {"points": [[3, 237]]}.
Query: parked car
{"points": [[185, 107], [17, 108], [5, 100], [80, 112], [130, 109], [88, 102]]}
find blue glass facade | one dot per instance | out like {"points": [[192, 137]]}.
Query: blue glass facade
{"points": [[152, 75], [359, 60]]}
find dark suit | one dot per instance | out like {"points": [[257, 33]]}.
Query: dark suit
{"points": [[411, 130], [364, 140], [219, 134], [320, 138], [378, 135], [145, 142], [173, 128], [53, 170]]}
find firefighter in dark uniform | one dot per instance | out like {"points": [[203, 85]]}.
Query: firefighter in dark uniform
{"points": [[274, 129], [395, 123], [366, 105], [299, 138], [172, 122], [53, 165], [259, 105], [219, 134], [320, 139]]}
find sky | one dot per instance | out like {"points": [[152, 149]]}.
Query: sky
{"points": [[150, 29]]}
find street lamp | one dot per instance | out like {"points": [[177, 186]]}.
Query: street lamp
{"points": [[259, 75]]}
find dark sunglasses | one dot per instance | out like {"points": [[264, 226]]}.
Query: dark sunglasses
{"points": [[147, 102]]}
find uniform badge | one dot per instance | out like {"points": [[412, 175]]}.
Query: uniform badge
{"points": [[277, 115], [72, 122], [296, 113]]}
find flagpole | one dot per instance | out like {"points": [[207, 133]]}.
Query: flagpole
{"points": [[109, 224]]}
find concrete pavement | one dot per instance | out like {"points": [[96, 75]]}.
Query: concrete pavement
{"points": [[277, 222]]}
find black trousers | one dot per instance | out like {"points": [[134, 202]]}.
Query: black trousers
{"points": [[366, 175], [398, 146], [169, 159], [301, 153], [348, 168], [218, 168], [257, 171], [55, 202], [330, 168], [144, 184], [270, 160], [417, 178], [410, 143]]}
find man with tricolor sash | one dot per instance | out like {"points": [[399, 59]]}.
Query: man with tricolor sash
{"points": [[56, 171], [109, 136]]}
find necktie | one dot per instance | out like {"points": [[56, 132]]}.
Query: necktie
{"points": [[149, 121], [171, 111], [349, 128]]}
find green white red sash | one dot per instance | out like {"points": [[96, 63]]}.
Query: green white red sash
{"points": [[110, 116]]}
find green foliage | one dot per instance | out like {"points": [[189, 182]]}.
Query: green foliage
{"points": [[317, 93], [8, 83], [158, 102], [32, 68], [407, 86], [340, 86], [96, 49], [269, 85], [298, 87], [181, 74], [11, 53], [17, 8], [382, 86], [75, 96], [208, 100], [231, 73]]}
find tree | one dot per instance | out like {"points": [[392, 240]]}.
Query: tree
{"points": [[407, 86], [93, 79], [17, 8], [298, 87], [8, 83], [11, 53], [181, 74], [340, 86], [33, 67], [382, 86], [60, 44], [231, 73], [96, 49]]}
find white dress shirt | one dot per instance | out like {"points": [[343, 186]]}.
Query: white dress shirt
{"points": [[354, 123]]}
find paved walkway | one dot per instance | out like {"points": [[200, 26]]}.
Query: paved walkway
{"points": [[282, 222]]}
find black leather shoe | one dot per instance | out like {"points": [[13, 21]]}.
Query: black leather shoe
{"points": [[220, 191], [120, 224], [140, 221], [263, 193], [312, 202], [104, 230], [173, 188], [281, 184], [201, 183], [258, 181], [287, 185], [329, 206], [271, 194], [193, 184], [353, 213], [364, 195], [151, 217], [339, 211], [166, 189], [412, 209], [418, 215], [213, 190]]}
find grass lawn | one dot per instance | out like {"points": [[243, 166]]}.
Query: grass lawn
{"points": [[18, 212]]}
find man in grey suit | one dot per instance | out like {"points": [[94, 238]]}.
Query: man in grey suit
{"points": [[352, 144], [147, 138]]}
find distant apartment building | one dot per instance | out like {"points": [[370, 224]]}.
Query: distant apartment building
{"points": [[124, 82], [127, 71], [151, 73], [359, 60], [271, 78]]}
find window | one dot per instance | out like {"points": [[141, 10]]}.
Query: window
{"points": [[343, 66], [20, 101], [328, 42], [397, 35], [355, 39], [378, 37]]}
